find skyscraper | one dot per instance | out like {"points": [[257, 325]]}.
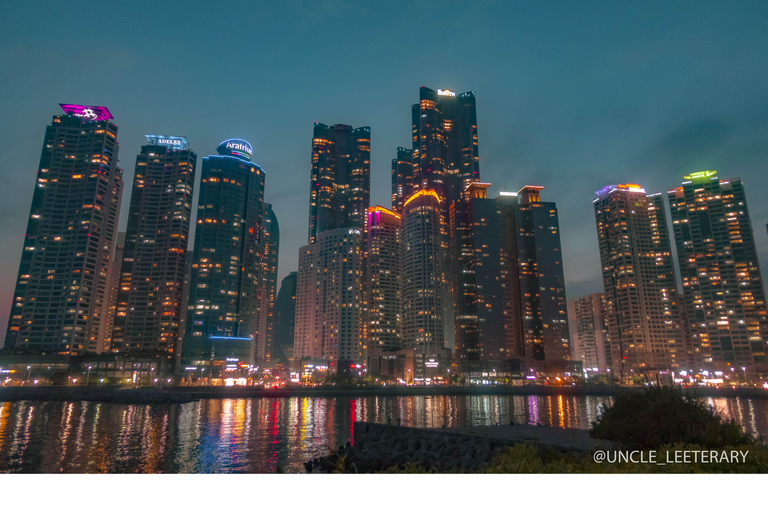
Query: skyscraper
{"points": [[481, 276], [149, 298], [445, 150], [225, 279], [382, 279], [61, 297], [720, 271], [402, 178], [329, 298], [591, 344], [508, 279], [540, 275], [340, 187], [423, 274], [639, 280], [271, 248], [113, 286], [285, 315], [444, 159]]}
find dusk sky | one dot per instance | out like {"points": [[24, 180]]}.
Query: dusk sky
{"points": [[570, 95]]}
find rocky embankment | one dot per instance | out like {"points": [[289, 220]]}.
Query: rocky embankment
{"points": [[385, 447]]}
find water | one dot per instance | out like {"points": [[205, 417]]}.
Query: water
{"points": [[262, 435]]}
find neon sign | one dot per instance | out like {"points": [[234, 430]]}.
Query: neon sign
{"points": [[87, 112], [446, 92], [168, 140], [236, 147], [629, 187], [700, 174]]}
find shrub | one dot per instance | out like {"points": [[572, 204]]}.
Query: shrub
{"points": [[664, 416]]}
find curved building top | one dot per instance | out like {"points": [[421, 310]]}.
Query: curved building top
{"points": [[237, 148]]}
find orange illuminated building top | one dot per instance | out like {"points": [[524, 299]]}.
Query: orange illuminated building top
{"points": [[476, 190], [381, 209], [529, 194], [420, 193]]}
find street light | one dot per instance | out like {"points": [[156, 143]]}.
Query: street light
{"points": [[88, 375], [29, 370]]}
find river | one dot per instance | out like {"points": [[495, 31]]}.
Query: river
{"points": [[263, 435]]}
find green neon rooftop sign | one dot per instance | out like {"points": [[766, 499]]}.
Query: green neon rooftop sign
{"points": [[700, 175]]}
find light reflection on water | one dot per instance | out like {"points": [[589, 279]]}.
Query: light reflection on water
{"points": [[262, 435]]}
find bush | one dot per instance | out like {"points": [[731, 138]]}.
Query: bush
{"points": [[664, 416]]}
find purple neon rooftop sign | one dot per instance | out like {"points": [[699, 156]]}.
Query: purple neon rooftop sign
{"points": [[87, 112]]}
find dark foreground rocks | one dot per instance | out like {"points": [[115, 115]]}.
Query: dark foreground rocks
{"points": [[391, 448]]}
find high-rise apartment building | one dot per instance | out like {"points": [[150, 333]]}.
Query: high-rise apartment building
{"points": [[508, 282], [285, 315], [149, 298], [720, 271], [543, 305], [444, 159], [225, 280], [340, 188], [445, 150], [425, 295], [483, 307], [402, 178], [382, 279], [639, 281], [591, 345], [271, 248], [61, 298], [329, 298], [113, 286]]}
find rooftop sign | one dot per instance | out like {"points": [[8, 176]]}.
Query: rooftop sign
{"points": [[700, 175], [87, 112], [629, 187], [236, 147], [446, 92], [168, 140]]}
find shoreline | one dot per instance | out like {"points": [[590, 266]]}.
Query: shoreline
{"points": [[146, 395]]}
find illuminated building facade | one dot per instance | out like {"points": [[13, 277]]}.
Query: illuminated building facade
{"points": [[340, 190], [271, 248], [61, 300], [721, 277], [382, 279], [426, 299], [402, 178], [590, 342], [285, 316], [639, 281], [329, 299], [149, 298], [225, 276]]}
